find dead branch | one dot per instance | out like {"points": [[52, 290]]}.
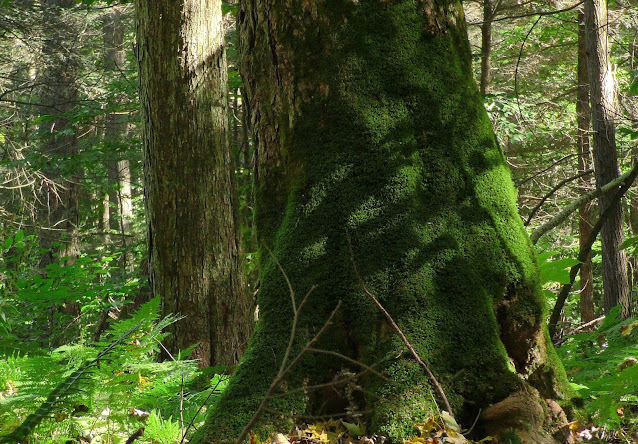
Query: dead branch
{"points": [[558, 186], [627, 181], [285, 368]]}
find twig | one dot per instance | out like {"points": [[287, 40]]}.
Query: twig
{"points": [[530, 14], [138, 434], [346, 358], [192, 421], [518, 62], [396, 328], [285, 368], [558, 186], [578, 329], [468, 431], [562, 159]]}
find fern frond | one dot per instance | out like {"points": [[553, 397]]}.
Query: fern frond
{"points": [[62, 391]]}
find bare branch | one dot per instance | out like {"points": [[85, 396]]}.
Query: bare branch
{"points": [[558, 186], [622, 180], [628, 180]]}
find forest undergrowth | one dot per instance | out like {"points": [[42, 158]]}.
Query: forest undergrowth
{"points": [[113, 389]]}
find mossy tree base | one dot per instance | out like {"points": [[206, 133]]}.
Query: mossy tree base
{"points": [[369, 126]]}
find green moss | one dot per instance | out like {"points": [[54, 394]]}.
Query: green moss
{"points": [[391, 147], [511, 437]]}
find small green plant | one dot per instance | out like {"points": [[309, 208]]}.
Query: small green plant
{"points": [[603, 367]]}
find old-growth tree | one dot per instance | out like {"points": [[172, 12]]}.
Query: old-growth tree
{"points": [[194, 247], [369, 126]]}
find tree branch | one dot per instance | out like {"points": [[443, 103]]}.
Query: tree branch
{"points": [[621, 181], [627, 180], [396, 328], [530, 14], [552, 191]]}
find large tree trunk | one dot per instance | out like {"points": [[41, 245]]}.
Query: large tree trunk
{"points": [[585, 219], [603, 103], [194, 240], [59, 190], [368, 125]]}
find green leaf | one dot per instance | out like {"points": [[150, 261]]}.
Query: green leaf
{"points": [[578, 387], [556, 271], [46, 286], [8, 242], [19, 235], [354, 429], [629, 242]]}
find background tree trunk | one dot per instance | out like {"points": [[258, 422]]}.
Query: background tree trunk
{"points": [[585, 219], [119, 196], [194, 238], [603, 103], [486, 46], [59, 190], [368, 125]]}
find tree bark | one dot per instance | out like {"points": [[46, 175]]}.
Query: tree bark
{"points": [[59, 189], [368, 125], [119, 196], [486, 46], [603, 104], [585, 219], [194, 238]]}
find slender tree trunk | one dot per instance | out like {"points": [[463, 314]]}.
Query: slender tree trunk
{"points": [[194, 238], [119, 197], [486, 46], [59, 190], [603, 103], [585, 219], [369, 127]]}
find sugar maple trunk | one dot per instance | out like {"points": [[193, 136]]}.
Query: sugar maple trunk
{"points": [[368, 124]]}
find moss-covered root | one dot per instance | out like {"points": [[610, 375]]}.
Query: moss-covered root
{"points": [[526, 418]]}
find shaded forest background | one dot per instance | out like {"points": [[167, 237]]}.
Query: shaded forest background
{"points": [[74, 268]]}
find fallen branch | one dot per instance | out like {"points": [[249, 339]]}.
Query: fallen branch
{"points": [[579, 329], [620, 181], [627, 180], [396, 328]]}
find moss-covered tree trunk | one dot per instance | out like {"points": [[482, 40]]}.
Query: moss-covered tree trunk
{"points": [[194, 243], [368, 125]]}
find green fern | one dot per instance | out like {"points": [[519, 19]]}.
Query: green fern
{"points": [[62, 391]]}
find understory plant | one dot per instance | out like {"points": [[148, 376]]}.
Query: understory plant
{"points": [[106, 391], [603, 366]]}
